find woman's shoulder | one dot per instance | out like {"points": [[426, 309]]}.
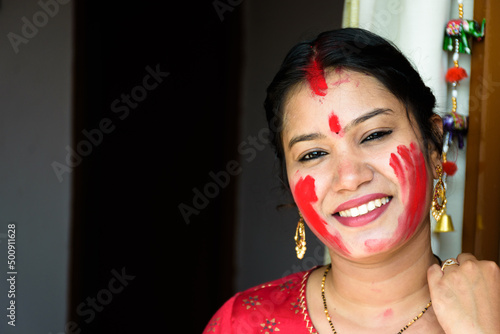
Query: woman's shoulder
{"points": [[272, 306], [286, 284]]}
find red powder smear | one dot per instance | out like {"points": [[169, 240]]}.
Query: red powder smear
{"points": [[410, 170], [376, 245], [334, 123], [388, 313], [316, 77], [339, 70], [305, 196], [341, 81]]}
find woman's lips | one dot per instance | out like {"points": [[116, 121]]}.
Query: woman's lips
{"points": [[363, 210]]}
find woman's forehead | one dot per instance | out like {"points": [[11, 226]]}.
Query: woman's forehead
{"points": [[349, 94]]}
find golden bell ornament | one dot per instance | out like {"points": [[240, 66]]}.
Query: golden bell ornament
{"points": [[444, 224], [438, 207]]}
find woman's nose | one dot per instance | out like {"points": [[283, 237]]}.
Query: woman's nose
{"points": [[350, 173]]}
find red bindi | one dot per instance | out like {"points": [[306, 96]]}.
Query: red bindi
{"points": [[333, 121]]}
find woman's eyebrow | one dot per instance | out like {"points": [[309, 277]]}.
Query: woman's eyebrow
{"points": [[306, 137], [367, 116]]}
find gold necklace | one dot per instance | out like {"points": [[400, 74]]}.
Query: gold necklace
{"points": [[330, 319]]}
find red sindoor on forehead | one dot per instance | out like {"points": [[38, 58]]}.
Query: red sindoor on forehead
{"points": [[316, 78]]}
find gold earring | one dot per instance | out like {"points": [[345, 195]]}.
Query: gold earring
{"points": [[444, 223], [300, 238]]}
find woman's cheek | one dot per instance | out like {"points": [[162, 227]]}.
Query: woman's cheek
{"points": [[304, 193], [410, 169]]}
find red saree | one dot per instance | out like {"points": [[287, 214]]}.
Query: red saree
{"points": [[277, 306]]}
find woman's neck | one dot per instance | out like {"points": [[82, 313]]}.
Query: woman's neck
{"points": [[384, 280], [383, 290]]}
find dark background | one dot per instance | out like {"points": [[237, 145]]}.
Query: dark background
{"points": [[206, 113], [126, 193]]}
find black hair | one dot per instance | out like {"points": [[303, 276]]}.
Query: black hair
{"points": [[357, 50]]}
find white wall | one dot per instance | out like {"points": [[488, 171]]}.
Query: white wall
{"points": [[35, 121], [402, 22]]}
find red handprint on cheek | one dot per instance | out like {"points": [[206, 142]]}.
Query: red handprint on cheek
{"points": [[305, 195], [410, 169]]}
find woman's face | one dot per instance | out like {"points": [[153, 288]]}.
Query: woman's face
{"points": [[355, 165]]}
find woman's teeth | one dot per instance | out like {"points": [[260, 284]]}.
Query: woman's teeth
{"points": [[365, 208]]}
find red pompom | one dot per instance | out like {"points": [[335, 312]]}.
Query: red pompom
{"points": [[456, 74], [449, 168]]}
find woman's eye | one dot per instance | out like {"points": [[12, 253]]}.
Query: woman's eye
{"points": [[376, 135], [312, 155]]}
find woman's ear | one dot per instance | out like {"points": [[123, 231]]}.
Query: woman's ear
{"points": [[435, 156]]}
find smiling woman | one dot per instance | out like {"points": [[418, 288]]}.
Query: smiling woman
{"points": [[360, 145], [370, 137]]}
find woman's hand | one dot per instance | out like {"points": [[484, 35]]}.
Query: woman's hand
{"points": [[466, 297]]}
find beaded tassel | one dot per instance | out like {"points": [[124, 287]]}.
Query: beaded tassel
{"points": [[454, 124]]}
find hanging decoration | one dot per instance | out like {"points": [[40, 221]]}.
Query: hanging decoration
{"points": [[457, 39]]}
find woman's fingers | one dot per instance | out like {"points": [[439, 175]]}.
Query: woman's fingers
{"points": [[465, 294]]}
